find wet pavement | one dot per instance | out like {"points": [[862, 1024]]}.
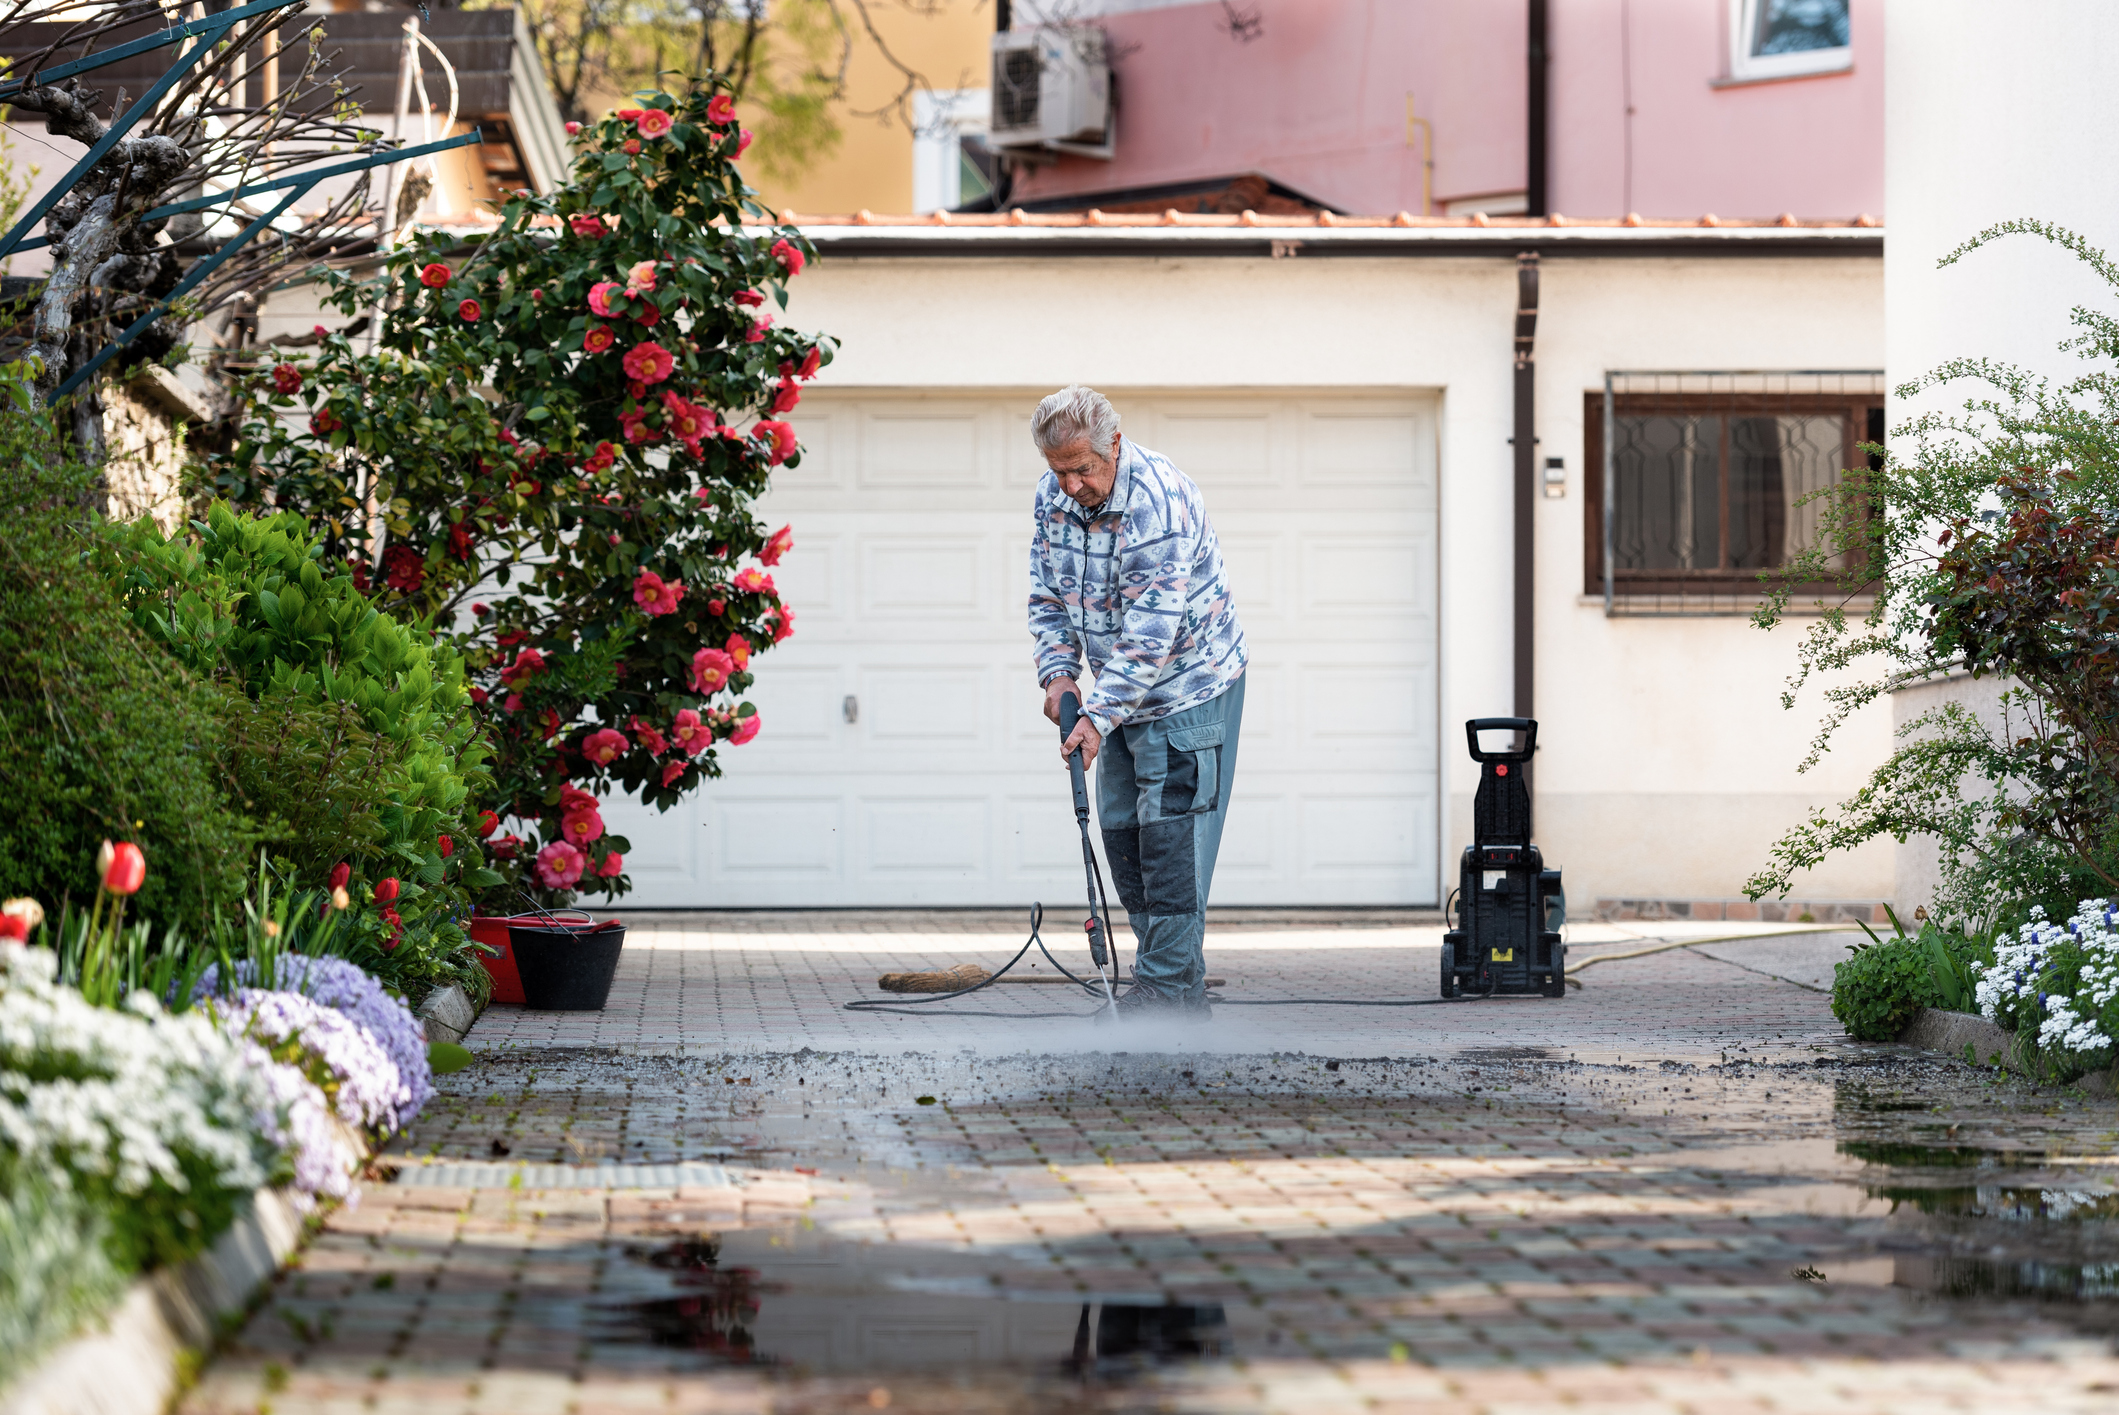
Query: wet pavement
{"points": [[1679, 1189]]}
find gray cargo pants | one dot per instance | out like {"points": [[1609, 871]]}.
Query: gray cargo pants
{"points": [[1162, 791]]}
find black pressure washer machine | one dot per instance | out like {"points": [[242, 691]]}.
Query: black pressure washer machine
{"points": [[1506, 936]]}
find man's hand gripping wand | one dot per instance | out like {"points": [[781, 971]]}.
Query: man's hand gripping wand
{"points": [[1098, 926]]}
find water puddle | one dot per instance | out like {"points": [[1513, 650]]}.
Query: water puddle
{"points": [[812, 1306]]}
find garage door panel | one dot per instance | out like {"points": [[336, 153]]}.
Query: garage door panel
{"points": [[787, 835], [1363, 833], [913, 707], [1040, 846], [802, 708], [1218, 447], [808, 576], [1351, 447], [906, 834], [1367, 577], [922, 448], [918, 580], [1363, 707], [666, 851], [827, 437], [1255, 563]]}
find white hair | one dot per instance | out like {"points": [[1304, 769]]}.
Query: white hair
{"points": [[1075, 412]]}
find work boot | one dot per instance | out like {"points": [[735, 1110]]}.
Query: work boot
{"points": [[1197, 1009], [1141, 1001]]}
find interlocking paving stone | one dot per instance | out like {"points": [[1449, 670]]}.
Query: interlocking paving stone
{"points": [[1596, 1204]]}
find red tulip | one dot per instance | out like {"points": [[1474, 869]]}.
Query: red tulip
{"points": [[340, 873], [122, 867], [447, 846], [386, 890]]}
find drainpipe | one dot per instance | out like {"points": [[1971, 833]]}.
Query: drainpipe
{"points": [[1526, 445], [1534, 190]]}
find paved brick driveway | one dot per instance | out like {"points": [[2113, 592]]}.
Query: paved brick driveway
{"points": [[1677, 1189]]}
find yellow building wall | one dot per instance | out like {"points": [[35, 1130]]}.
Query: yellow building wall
{"points": [[947, 42]]}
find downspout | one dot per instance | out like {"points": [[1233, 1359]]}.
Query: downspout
{"points": [[1526, 445], [1535, 196]]}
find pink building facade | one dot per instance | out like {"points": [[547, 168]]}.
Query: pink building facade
{"points": [[1668, 108]]}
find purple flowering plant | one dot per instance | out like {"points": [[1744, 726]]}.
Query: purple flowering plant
{"points": [[332, 1050], [346, 988]]}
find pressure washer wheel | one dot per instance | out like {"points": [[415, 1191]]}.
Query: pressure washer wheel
{"points": [[1449, 969], [1555, 984]]}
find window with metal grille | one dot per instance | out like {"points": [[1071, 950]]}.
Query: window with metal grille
{"points": [[1715, 477]]}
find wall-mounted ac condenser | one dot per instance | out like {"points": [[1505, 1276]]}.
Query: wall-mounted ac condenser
{"points": [[1052, 90]]}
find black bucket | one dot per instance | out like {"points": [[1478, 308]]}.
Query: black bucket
{"points": [[563, 969]]}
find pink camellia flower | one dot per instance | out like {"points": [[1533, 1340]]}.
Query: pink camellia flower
{"points": [[640, 278], [749, 299], [716, 606], [580, 827], [785, 396], [779, 434], [650, 363], [434, 276], [739, 651], [626, 115], [743, 142], [559, 865], [527, 664], [613, 865], [600, 460], [604, 746], [324, 422], [777, 545], [646, 312], [687, 422], [721, 110], [811, 362], [588, 225], [789, 255], [754, 581], [758, 328], [286, 379], [710, 670], [782, 619], [654, 123], [600, 298], [673, 769], [650, 738], [690, 734], [598, 338], [469, 311], [655, 595], [512, 703], [573, 129], [632, 147], [746, 728], [637, 430]]}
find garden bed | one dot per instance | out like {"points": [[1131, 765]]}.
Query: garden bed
{"points": [[1972, 1038]]}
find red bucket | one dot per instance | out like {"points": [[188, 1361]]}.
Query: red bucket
{"points": [[492, 930]]}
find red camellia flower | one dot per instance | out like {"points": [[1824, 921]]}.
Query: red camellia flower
{"points": [[601, 459], [754, 581], [687, 422], [749, 299], [746, 728], [559, 865], [779, 434], [645, 312], [758, 328], [789, 255], [480, 696], [528, 663], [323, 422], [487, 824], [716, 606], [739, 651], [777, 545], [121, 867], [690, 734], [613, 865], [480, 610], [287, 379], [550, 719], [653, 123], [444, 844], [460, 540], [782, 619], [580, 827], [655, 595], [673, 769], [469, 311], [403, 569], [340, 873], [600, 298], [743, 142], [604, 746], [650, 738], [573, 128], [785, 396], [588, 225], [637, 430], [811, 362], [710, 670], [632, 147], [434, 276], [597, 338], [505, 847], [721, 110], [650, 363], [385, 891], [626, 114]]}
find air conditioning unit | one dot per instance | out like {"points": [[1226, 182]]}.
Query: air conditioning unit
{"points": [[1052, 90]]}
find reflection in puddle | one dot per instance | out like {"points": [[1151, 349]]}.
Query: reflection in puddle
{"points": [[2000, 1277], [808, 1305]]}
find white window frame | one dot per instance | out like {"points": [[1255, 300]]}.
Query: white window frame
{"points": [[1746, 67], [941, 120]]}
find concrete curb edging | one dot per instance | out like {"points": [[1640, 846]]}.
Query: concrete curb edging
{"points": [[447, 1014], [130, 1366], [1933, 1029]]}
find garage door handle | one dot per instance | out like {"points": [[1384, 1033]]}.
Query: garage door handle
{"points": [[852, 708]]}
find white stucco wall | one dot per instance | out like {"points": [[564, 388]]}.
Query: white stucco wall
{"points": [[1668, 765]]}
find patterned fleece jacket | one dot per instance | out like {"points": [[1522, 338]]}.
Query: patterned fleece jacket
{"points": [[1139, 584]]}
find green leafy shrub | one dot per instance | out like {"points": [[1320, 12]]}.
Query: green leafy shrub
{"points": [[354, 729], [569, 418], [1877, 991], [101, 736]]}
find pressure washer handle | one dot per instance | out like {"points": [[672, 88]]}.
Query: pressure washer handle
{"points": [[1070, 710]]}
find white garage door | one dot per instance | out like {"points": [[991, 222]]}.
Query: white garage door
{"points": [[904, 759]]}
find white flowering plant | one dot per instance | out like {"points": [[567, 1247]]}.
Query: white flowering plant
{"points": [[2056, 985]]}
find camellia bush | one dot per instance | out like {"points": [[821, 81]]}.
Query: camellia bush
{"points": [[1988, 542], [552, 456]]}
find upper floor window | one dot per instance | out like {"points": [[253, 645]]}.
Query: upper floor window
{"points": [[1783, 39]]}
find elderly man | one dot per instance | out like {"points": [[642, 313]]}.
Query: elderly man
{"points": [[1124, 566]]}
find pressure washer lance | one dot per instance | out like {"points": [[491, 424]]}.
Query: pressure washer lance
{"points": [[1098, 925]]}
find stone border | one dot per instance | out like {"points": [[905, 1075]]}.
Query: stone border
{"points": [[132, 1365], [1933, 1029], [1768, 911], [447, 1014]]}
